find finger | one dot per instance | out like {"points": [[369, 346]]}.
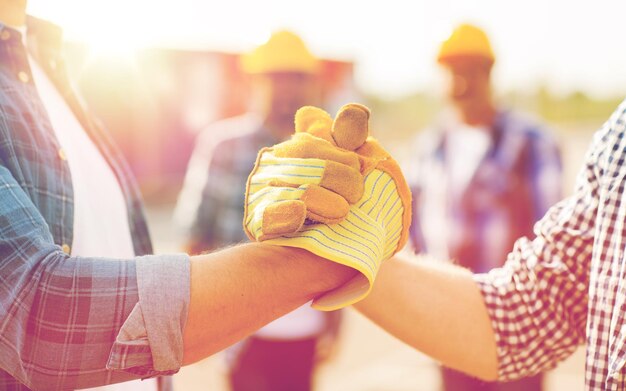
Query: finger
{"points": [[306, 146], [270, 194], [339, 178], [283, 217], [324, 206], [274, 211], [351, 126], [371, 154], [286, 171], [315, 121], [343, 180]]}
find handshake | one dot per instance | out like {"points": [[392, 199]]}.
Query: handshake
{"points": [[334, 191]]}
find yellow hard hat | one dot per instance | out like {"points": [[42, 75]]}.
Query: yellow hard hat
{"points": [[283, 52], [466, 41]]}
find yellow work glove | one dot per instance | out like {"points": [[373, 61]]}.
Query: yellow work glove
{"points": [[333, 191]]}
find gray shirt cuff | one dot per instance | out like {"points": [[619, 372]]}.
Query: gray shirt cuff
{"points": [[150, 342]]}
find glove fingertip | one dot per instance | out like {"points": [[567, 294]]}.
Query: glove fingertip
{"points": [[351, 126], [324, 206], [283, 217], [315, 121]]}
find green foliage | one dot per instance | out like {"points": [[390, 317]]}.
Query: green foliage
{"points": [[397, 120], [572, 108]]}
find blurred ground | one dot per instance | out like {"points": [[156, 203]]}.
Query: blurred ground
{"points": [[368, 359]]}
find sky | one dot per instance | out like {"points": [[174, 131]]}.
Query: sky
{"points": [[568, 45]]}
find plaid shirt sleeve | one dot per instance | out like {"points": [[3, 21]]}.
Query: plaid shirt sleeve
{"points": [[538, 300], [72, 322], [210, 206], [190, 198]]}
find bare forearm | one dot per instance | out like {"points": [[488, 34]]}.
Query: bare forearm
{"points": [[438, 309], [238, 290]]}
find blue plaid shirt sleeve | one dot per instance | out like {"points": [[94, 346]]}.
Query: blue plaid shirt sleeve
{"points": [[71, 322], [210, 206]]}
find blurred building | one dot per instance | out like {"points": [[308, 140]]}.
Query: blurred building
{"points": [[155, 101]]}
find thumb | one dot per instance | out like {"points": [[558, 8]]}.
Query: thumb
{"points": [[351, 126]]}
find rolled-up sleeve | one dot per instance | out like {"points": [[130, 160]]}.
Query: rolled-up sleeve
{"points": [[538, 300], [150, 341], [78, 322]]}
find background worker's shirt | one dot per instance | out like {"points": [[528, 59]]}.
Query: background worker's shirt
{"points": [[466, 148], [215, 185], [476, 191], [567, 286], [210, 206], [72, 321]]}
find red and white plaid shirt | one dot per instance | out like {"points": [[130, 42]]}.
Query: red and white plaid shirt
{"points": [[568, 285]]}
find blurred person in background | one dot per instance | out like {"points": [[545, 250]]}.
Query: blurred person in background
{"points": [[83, 300], [284, 76], [481, 178]]}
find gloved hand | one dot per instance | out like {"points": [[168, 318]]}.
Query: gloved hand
{"points": [[333, 191]]}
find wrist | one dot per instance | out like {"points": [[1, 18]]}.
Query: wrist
{"points": [[319, 275]]}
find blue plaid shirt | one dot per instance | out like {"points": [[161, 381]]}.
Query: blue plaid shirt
{"points": [[70, 322], [514, 184], [211, 202]]}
